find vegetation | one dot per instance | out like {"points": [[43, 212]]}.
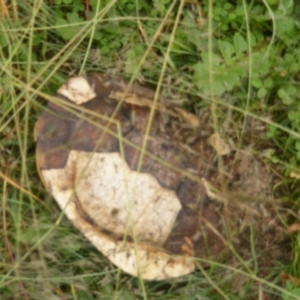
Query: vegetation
{"points": [[240, 57]]}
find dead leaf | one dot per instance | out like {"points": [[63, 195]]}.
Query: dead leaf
{"points": [[219, 144], [294, 174], [294, 227], [285, 276]]}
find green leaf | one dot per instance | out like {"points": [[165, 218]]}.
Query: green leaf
{"points": [[226, 50], [232, 16], [239, 11], [286, 99], [256, 82], [105, 50], [73, 17], [133, 57], [281, 93], [224, 27], [104, 42], [291, 90], [227, 6], [287, 6], [294, 115], [201, 71], [253, 40], [207, 56], [202, 79], [268, 83], [139, 49], [296, 292], [240, 44], [4, 41], [218, 87], [285, 26], [261, 92], [217, 11], [288, 58], [297, 145], [230, 80], [68, 32], [260, 66], [272, 131], [159, 8]]}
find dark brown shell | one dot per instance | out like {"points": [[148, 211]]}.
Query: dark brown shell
{"points": [[141, 179]]}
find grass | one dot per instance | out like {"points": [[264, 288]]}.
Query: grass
{"points": [[239, 58]]}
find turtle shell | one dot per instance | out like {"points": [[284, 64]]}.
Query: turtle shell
{"points": [[137, 177]]}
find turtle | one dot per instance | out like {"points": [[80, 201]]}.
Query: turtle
{"points": [[140, 178]]}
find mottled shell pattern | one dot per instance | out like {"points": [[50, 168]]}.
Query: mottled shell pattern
{"points": [[137, 178]]}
